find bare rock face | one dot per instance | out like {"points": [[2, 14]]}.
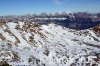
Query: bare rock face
{"points": [[4, 63], [2, 22], [96, 29]]}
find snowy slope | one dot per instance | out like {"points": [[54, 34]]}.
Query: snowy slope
{"points": [[27, 44]]}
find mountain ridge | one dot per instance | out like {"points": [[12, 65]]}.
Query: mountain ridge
{"points": [[28, 43]]}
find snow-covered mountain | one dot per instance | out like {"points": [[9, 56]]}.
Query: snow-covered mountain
{"points": [[30, 44]]}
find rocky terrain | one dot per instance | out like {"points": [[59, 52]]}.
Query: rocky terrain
{"points": [[31, 44]]}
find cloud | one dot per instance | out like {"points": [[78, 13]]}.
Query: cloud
{"points": [[57, 2], [60, 2]]}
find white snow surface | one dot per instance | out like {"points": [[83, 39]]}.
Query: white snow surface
{"points": [[53, 45]]}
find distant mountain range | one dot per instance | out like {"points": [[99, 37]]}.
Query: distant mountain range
{"points": [[77, 21]]}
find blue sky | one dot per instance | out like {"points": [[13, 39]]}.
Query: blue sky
{"points": [[19, 7]]}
